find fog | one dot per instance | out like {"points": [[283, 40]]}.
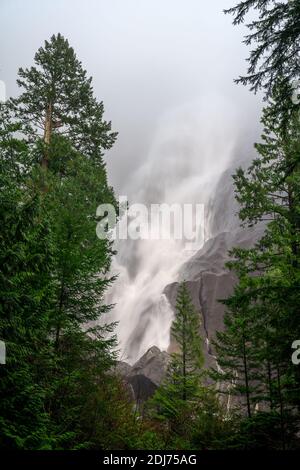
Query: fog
{"points": [[145, 57], [165, 71]]}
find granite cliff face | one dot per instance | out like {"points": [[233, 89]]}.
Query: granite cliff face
{"points": [[208, 280], [146, 374], [205, 273]]}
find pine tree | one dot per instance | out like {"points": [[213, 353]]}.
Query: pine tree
{"points": [[57, 99], [275, 33], [55, 387], [186, 364], [237, 360], [269, 192], [177, 397], [26, 263], [269, 189], [267, 295], [261, 317]]}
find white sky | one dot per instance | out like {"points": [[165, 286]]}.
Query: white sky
{"points": [[146, 57]]}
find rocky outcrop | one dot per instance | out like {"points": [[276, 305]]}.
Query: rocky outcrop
{"points": [[209, 281], [143, 388], [123, 369], [146, 374], [153, 364]]}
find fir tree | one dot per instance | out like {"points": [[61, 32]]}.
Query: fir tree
{"points": [[175, 399], [54, 268], [57, 99], [186, 364], [266, 298], [236, 356], [26, 264], [274, 33]]}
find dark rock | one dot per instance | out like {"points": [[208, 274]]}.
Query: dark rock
{"points": [[142, 386], [146, 374], [153, 364], [209, 281]]}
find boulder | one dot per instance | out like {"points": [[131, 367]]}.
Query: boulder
{"points": [[146, 374]]}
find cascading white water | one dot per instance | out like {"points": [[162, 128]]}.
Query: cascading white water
{"points": [[193, 145]]}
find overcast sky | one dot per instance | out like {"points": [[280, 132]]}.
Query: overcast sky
{"points": [[147, 58]]}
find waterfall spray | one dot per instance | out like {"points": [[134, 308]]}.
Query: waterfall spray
{"points": [[193, 145]]}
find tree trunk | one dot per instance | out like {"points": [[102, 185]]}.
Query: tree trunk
{"points": [[58, 325], [281, 409], [269, 372], [246, 378], [184, 394], [47, 135]]}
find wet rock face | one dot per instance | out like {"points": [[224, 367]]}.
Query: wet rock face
{"points": [[209, 281], [205, 273], [205, 292], [153, 364], [146, 374], [143, 388], [122, 368]]}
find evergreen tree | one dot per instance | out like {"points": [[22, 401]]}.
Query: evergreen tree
{"points": [[186, 364], [237, 361], [57, 99], [266, 298], [26, 263], [57, 389], [275, 33], [179, 391]]}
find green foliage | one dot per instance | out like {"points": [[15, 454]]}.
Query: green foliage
{"points": [[184, 371], [188, 413], [56, 390], [58, 88], [254, 351], [274, 32]]}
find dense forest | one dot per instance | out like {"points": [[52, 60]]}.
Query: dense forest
{"points": [[59, 388]]}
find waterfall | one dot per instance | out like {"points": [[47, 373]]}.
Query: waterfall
{"points": [[193, 145]]}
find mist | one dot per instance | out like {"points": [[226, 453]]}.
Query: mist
{"points": [[193, 146], [164, 71]]}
